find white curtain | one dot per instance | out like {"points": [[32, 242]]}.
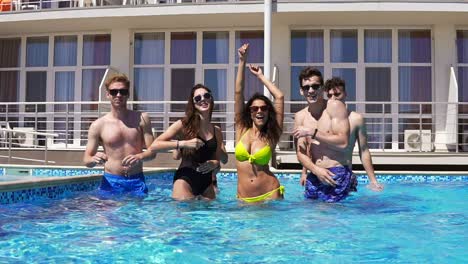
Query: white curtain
{"points": [[149, 48], [149, 86], [65, 51], [378, 46], [343, 46], [37, 51]]}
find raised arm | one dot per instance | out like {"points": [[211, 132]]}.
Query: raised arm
{"points": [[165, 141], [366, 157], [91, 157], [275, 92], [239, 90], [339, 134]]}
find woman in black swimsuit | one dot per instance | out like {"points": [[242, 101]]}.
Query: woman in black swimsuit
{"points": [[201, 145]]}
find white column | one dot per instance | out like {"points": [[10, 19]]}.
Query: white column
{"points": [[444, 57], [267, 42], [120, 50]]}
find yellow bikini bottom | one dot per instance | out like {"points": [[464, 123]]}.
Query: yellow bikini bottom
{"points": [[262, 197]]}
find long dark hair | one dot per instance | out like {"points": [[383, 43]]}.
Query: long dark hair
{"points": [[191, 121], [271, 131]]}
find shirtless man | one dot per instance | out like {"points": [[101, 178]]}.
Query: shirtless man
{"points": [[323, 152], [123, 134], [335, 88]]}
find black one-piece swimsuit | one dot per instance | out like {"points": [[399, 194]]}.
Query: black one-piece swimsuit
{"points": [[199, 181]]}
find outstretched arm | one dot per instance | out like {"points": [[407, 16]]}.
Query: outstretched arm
{"points": [[239, 90], [366, 158], [165, 141], [275, 92]]}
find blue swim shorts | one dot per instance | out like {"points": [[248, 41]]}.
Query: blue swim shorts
{"points": [[346, 182], [117, 184]]}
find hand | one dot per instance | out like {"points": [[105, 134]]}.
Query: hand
{"points": [[242, 52], [131, 160], [255, 70], [325, 176], [303, 179], [302, 131], [194, 143], [99, 158], [208, 166], [375, 186]]}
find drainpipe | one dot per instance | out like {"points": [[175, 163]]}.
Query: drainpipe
{"points": [[267, 43]]}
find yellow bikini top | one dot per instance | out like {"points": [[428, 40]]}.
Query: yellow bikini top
{"points": [[261, 157]]}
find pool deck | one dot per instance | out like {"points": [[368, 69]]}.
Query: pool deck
{"points": [[383, 160]]}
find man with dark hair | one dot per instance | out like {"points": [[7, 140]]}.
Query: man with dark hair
{"points": [[123, 134], [335, 88], [322, 132]]}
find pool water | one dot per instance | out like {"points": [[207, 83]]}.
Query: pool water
{"points": [[407, 223]]}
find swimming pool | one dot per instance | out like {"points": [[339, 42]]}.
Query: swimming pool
{"points": [[407, 223]]}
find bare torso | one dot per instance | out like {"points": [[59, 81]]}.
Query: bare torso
{"points": [[254, 179], [121, 138], [323, 155]]}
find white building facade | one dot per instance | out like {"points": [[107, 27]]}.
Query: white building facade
{"points": [[405, 62]]}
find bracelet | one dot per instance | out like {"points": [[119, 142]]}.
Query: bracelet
{"points": [[315, 133], [177, 146]]}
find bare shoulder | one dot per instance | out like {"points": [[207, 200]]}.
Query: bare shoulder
{"points": [[356, 118], [336, 108], [219, 133], [98, 123], [144, 117], [299, 116]]}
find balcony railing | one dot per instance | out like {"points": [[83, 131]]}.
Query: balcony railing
{"points": [[399, 126], [35, 5]]}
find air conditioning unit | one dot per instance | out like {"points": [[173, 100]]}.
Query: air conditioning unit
{"points": [[418, 140], [23, 139]]}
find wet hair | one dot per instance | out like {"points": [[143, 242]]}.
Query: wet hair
{"points": [[309, 72], [271, 131], [191, 121], [333, 83], [118, 78]]}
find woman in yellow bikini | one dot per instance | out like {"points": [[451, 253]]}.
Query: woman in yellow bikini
{"points": [[259, 125]]}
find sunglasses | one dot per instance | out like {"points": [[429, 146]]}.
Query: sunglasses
{"points": [[254, 108], [123, 92], [198, 98], [306, 88], [333, 94]]}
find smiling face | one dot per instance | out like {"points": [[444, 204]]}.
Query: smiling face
{"points": [[202, 100], [311, 89], [118, 94], [259, 112]]}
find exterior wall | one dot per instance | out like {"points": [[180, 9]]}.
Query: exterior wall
{"points": [[441, 18]]}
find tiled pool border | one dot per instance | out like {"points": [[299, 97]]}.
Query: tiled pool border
{"points": [[58, 182]]}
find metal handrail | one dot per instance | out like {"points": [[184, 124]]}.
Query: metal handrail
{"points": [[68, 123], [10, 142]]}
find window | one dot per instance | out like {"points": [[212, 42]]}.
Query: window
{"points": [[148, 74], [10, 57], [343, 45]]}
